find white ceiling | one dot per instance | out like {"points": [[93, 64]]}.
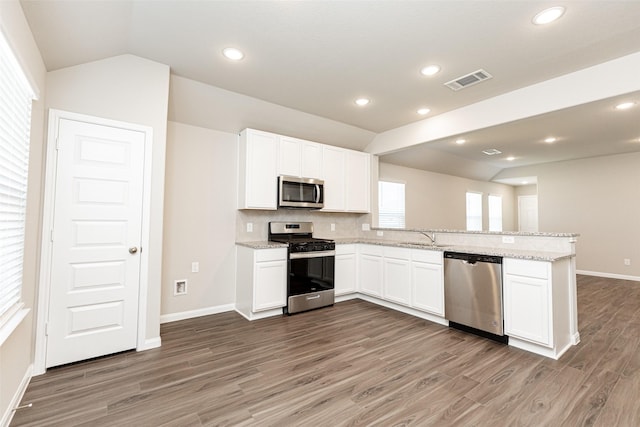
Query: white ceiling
{"points": [[318, 56]]}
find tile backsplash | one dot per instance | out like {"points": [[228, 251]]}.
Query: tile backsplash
{"points": [[346, 224]]}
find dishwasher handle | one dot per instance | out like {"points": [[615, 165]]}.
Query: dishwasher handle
{"points": [[472, 259]]}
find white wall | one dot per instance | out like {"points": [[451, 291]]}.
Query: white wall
{"points": [[438, 201], [129, 89], [599, 198], [16, 354], [200, 214]]}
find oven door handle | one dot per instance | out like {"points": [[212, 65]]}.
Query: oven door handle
{"points": [[314, 254]]}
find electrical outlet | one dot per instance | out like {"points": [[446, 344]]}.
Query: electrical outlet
{"points": [[249, 227], [333, 227], [508, 239], [365, 227], [380, 233], [195, 267], [627, 261]]}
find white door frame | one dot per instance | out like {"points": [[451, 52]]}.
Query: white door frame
{"points": [[46, 248]]}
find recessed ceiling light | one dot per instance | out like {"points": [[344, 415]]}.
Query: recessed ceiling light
{"points": [[511, 158], [423, 111], [625, 105], [460, 141], [524, 182], [430, 70], [548, 15], [232, 53], [550, 140], [362, 101]]}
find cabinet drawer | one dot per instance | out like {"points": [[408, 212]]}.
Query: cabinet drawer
{"points": [[527, 268], [421, 255], [276, 254], [399, 253], [345, 249], [374, 250]]}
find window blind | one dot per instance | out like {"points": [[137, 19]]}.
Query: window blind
{"points": [[16, 98], [474, 211], [390, 204]]}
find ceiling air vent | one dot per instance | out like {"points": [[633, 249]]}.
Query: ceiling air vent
{"points": [[468, 80], [491, 151]]}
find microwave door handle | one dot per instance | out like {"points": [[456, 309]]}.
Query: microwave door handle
{"points": [[317, 193]]}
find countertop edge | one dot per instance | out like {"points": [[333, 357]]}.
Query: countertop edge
{"points": [[503, 252]]}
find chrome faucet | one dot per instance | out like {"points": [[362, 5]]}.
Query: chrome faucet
{"points": [[431, 237]]}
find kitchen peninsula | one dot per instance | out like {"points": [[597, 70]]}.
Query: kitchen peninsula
{"points": [[404, 270]]}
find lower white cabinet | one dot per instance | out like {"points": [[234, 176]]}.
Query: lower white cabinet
{"points": [[345, 271], [370, 270], [427, 281], [397, 275], [261, 280], [527, 300]]}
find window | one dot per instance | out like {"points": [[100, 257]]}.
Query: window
{"points": [[495, 213], [474, 211], [16, 97], [390, 204]]}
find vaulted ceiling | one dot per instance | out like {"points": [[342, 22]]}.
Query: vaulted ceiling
{"points": [[319, 56]]}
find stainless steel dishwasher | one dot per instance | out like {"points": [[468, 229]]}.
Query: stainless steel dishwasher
{"points": [[473, 293]]}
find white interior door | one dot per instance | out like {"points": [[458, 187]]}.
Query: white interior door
{"points": [[97, 230], [528, 213]]}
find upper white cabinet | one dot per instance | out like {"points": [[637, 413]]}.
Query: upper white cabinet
{"points": [[258, 161], [263, 156], [334, 167], [358, 179], [300, 158], [347, 176]]}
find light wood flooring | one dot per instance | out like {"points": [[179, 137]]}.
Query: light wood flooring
{"points": [[355, 364]]}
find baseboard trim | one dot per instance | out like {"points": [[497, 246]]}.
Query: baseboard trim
{"points": [[174, 317], [17, 397], [150, 343], [608, 275]]}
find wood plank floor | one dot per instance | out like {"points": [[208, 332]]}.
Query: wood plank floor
{"points": [[355, 364]]}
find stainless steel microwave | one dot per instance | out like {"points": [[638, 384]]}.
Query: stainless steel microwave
{"points": [[301, 193]]}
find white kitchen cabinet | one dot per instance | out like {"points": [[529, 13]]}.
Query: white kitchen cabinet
{"points": [[427, 281], [370, 270], [397, 275], [334, 164], [358, 181], [345, 270], [527, 300], [299, 158], [261, 281], [257, 166], [347, 177]]}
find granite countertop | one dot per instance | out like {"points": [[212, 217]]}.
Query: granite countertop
{"points": [[263, 244], [503, 252], [498, 233]]}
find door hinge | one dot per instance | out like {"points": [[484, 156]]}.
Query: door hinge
{"points": [[46, 329], [57, 143], [52, 235]]}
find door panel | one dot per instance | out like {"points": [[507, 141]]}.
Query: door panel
{"points": [[93, 304]]}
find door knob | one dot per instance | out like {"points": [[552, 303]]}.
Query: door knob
{"points": [[133, 250]]}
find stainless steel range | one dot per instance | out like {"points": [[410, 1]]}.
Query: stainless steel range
{"points": [[310, 282]]}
